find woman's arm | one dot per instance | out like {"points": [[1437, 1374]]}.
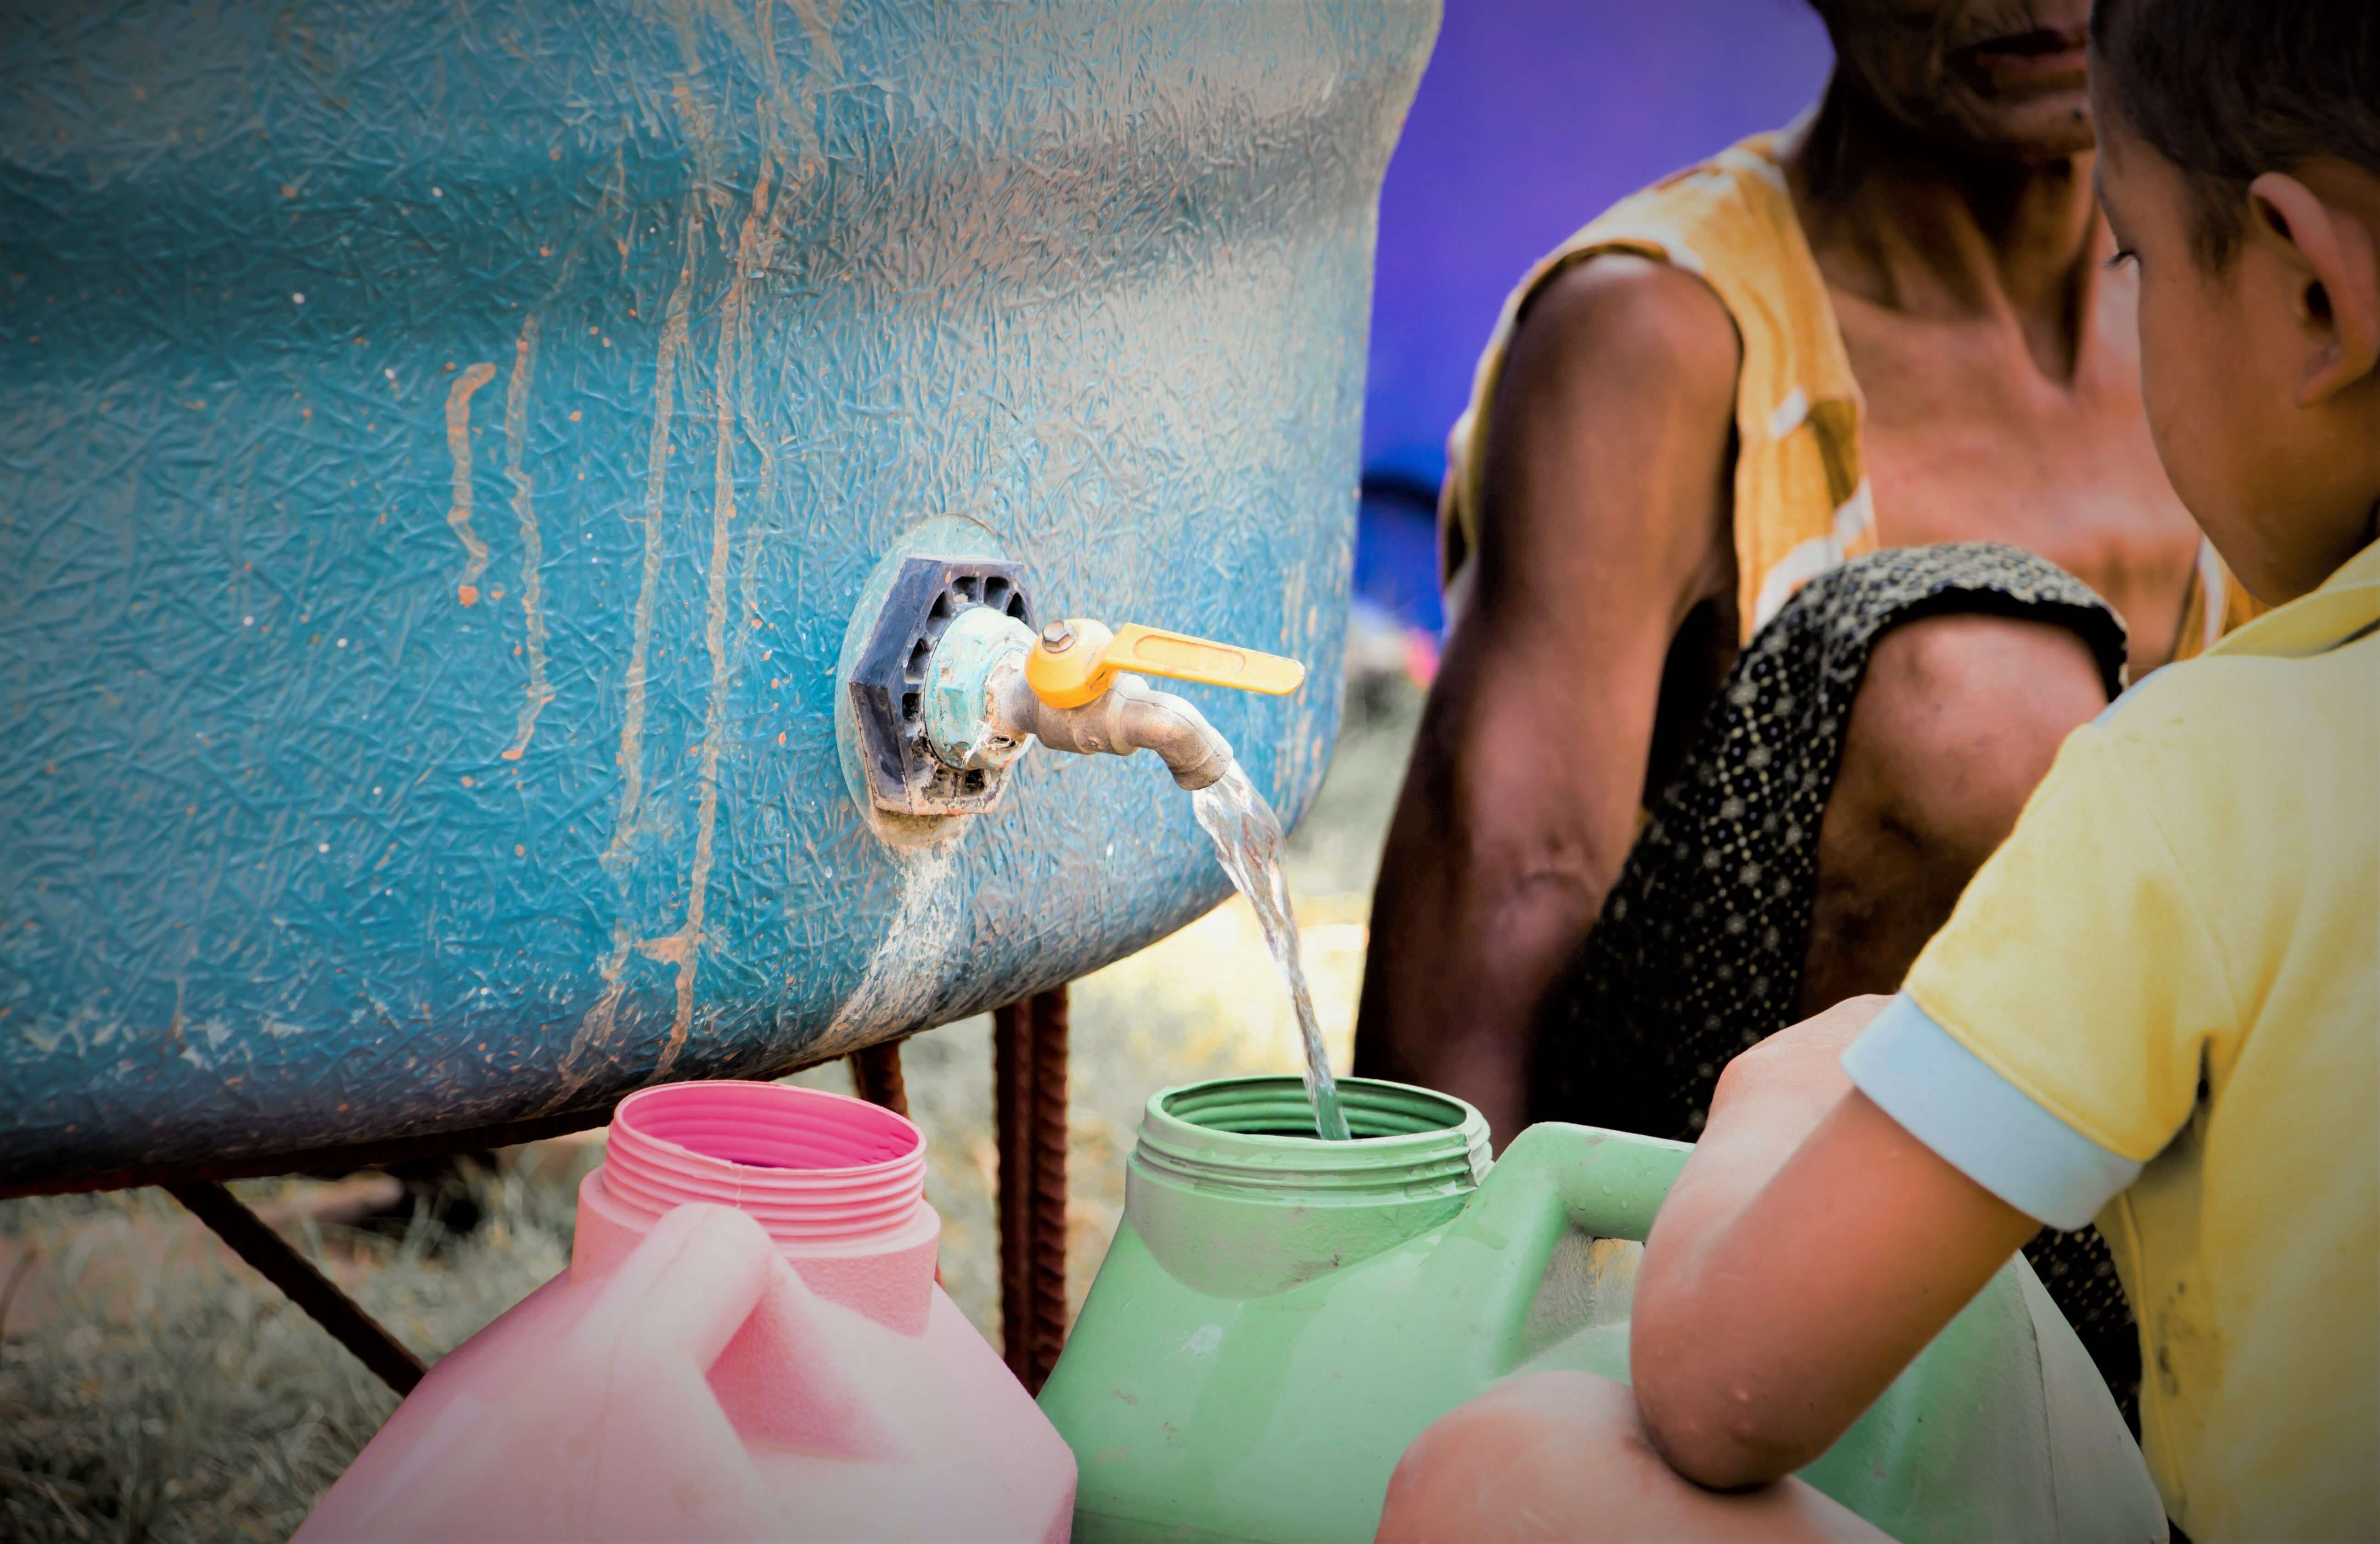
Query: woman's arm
{"points": [[1605, 520]]}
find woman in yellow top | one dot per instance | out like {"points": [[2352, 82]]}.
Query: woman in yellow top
{"points": [[1807, 502]]}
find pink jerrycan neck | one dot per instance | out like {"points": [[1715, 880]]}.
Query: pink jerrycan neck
{"points": [[838, 1184]]}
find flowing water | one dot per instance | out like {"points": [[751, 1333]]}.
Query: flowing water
{"points": [[1248, 839]]}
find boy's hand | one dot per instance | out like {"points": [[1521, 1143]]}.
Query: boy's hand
{"points": [[1810, 1249], [1769, 1099], [1795, 1071]]}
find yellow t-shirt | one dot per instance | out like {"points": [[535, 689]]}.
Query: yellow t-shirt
{"points": [[2159, 1001]]}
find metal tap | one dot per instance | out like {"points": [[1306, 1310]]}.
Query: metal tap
{"points": [[992, 686]]}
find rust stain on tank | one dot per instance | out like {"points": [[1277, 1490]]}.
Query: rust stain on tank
{"points": [[532, 541], [458, 446], [596, 1028], [632, 716], [754, 248]]}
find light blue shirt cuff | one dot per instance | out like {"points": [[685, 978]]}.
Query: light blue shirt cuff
{"points": [[1981, 1123]]}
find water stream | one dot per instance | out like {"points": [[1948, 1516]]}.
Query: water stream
{"points": [[1248, 839]]}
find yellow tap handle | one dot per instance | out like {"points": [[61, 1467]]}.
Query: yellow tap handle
{"points": [[1156, 652], [1091, 657]]}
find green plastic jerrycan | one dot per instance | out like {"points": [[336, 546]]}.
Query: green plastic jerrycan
{"points": [[1280, 1317]]}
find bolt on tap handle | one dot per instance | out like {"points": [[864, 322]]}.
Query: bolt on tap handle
{"points": [[1075, 661]]}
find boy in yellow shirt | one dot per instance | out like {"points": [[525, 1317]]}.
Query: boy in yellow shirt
{"points": [[2157, 1005]]}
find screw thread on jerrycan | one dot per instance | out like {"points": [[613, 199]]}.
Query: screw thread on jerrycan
{"points": [[1254, 1137], [1233, 1194], [838, 1184]]}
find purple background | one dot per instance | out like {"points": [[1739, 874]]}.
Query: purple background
{"points": [[1533, 117]]}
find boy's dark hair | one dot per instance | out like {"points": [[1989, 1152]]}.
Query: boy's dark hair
{"points": [[2227, 89]]}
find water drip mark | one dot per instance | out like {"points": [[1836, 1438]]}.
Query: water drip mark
{"points": [[458, 446], [686, 944], [752, 262], [906, 969], [632, 717], [532, 541], [682, 948], [596, 1028]]}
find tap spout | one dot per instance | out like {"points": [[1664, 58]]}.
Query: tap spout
{"points": [[1126, 717]]}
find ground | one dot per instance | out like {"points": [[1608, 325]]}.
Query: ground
{"points": [[152, 1388]]}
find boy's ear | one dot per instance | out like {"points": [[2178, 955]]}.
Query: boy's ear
{"points": [[2335, 267]]}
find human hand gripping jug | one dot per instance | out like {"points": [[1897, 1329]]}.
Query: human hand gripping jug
{"points": [[749, 1343]]}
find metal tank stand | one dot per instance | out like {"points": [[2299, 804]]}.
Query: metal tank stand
{"points": [[876, 1077], [199, 1188], [1030, 1110], [1029, 1100], [257, 1243]]}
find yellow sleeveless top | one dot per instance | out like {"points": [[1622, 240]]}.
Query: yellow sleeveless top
{"points": [[1801, 498]]}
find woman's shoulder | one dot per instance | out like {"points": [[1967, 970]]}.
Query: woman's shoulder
{"points": [[1733, 210]]}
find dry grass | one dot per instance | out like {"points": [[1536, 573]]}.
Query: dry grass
{"points": [[152, 1388]]}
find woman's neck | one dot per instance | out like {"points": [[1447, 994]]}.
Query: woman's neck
{"points": [[1940, 232]]}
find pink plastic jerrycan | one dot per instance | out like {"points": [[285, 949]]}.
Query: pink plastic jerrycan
{"points": [[749, 1344]]}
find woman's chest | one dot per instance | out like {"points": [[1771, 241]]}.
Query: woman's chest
{"points": [[1958, 446]]}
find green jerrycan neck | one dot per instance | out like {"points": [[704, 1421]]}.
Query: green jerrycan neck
{"points": [[1235, 1197]]}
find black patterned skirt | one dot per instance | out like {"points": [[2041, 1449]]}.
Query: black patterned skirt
{"points": [[1698, 952]]}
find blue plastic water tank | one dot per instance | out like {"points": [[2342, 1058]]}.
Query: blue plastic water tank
{"points": [[440, 447]]}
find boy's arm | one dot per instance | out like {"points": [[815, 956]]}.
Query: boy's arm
{"points": [[2048, 1042], [1809, 1250]]}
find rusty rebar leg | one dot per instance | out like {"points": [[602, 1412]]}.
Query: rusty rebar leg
{"points": [[252, 1241], [876, 1077], [1029, 1097], [1049, 1225]]}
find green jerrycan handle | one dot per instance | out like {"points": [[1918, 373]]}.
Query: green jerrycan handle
{"points": [[1604, 1182], [1554, 1178], [2000, 1429]]}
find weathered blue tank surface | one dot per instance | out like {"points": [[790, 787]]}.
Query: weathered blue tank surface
{"points": [[440, 447]]}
